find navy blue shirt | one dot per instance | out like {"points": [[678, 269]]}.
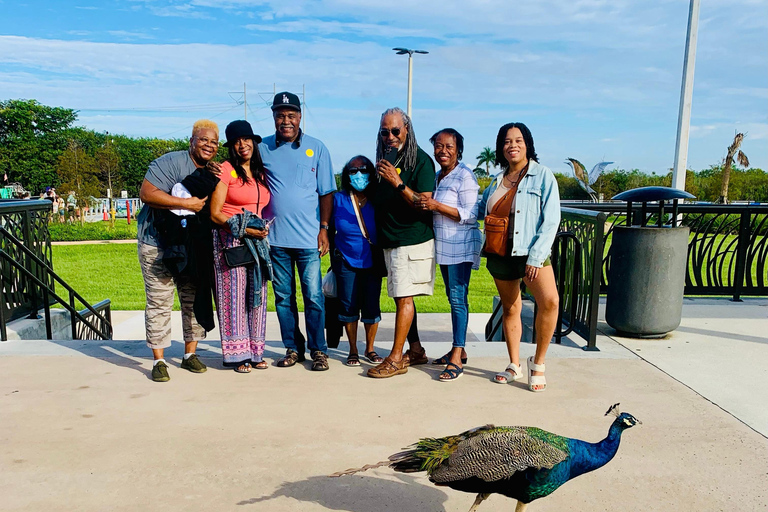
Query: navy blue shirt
{"points": [[349, 239]]}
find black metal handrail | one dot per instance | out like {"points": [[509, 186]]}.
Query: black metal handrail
{"points": [[49, 292], [28, 221], [567, 311], [727, 248]]}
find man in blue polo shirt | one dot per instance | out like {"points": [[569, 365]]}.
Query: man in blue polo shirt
{"points": [[300, 179]]}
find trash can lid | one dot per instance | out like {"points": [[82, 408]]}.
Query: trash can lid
{"points": [[645, 194]]}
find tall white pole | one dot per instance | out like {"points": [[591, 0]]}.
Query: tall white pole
{"points": [[686, 94], [410, 72]]}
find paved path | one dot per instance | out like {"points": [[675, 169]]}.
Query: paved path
{"points": [[83, 427]]}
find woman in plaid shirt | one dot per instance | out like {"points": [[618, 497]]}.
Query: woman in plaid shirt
{"points": [[457, 238]]}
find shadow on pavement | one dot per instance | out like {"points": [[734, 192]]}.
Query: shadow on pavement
{"points": [[358, 493]]}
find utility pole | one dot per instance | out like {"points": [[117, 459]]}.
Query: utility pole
{"points": [[686, 94], [304, 105]]}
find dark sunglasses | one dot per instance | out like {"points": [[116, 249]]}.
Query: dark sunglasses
{"points": [[355, 170], [385, 133]]}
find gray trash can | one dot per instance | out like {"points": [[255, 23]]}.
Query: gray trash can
{"points": [[646, 278]]}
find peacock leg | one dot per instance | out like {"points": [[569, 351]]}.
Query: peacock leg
{"points": [[480, 498], [521, 506]]}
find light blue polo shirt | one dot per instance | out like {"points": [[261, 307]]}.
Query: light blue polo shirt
{"points": [[297, 174]]}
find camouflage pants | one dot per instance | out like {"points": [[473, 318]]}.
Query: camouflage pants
{"points": [[159, 285]]}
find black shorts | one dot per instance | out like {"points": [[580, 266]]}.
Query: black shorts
{"points": [[508, 268]]}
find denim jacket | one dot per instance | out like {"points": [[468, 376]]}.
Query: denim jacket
{"points": [[259, 248], [537, 213]]}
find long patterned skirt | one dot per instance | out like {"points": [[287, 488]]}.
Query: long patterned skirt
{"points": [[242, 327]]}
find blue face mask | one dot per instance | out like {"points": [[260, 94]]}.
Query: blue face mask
{"points": [[359, 181]]}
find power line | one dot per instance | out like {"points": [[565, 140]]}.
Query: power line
{"points": [[178, 108]]}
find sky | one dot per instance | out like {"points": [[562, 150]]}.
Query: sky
{"points": [[593, 79]]}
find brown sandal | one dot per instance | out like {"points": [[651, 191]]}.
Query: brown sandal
{"points": [[415, 358], [290, 359], [261, 365], [389, 368], [319, 362]]}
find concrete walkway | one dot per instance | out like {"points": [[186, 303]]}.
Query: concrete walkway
{"points": [[82, 426]]}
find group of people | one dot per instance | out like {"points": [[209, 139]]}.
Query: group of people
{"points": [[274, 210]]}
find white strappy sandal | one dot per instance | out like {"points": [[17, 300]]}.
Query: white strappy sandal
{"points": [[507, 377], [536, 380]]}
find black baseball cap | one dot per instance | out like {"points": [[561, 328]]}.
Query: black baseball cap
{"points": [[237, 130], [286, 99]]}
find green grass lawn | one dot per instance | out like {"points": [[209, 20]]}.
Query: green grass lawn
{"points": [[111, 271]]}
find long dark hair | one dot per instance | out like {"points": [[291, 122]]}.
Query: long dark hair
{"points": [[457, 137], [530, 151], [257, 165], [369, 169]]}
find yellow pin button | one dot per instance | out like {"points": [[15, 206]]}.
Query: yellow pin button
{"points": [[398, 170], [310, 153], [233, 173]]}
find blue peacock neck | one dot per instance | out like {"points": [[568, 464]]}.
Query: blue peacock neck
{"points": [[586, 457]]}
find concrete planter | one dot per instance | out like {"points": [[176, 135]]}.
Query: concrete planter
{"points": [[646, 280]]}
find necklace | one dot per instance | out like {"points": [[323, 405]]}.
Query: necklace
{"points": [[520, 176]]}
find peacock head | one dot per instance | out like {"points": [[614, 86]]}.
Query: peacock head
{"points": [[623, 420]]}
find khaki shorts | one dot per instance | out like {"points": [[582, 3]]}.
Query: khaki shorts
{"points": [[410, 269]]}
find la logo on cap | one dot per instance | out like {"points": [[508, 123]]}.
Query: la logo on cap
{"points": [[285, 99]]}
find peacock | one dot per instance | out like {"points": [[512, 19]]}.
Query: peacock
{"points": [[524, 463]]}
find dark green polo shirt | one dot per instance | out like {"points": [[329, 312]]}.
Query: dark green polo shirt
{"points": [[397, 223]]}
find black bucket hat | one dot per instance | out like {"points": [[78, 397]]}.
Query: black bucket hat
{"points": [[239, 129]]}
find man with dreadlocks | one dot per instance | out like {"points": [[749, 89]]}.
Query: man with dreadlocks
{"points": [[404, 232]]}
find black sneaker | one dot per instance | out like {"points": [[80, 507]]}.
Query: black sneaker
{"points": [[193, 364], [160, 372]]}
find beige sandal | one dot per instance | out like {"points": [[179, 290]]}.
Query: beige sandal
{"points": [[534, 381], [505, 377]]}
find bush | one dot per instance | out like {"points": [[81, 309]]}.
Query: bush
{"points": [[92, 231]]}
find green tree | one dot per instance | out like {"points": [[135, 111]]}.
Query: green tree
{"points": [[78, 172], [108, 161], [487, 157], [31, 138]]}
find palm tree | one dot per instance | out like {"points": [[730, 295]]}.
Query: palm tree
{"points": [[733, 150], [488, 157]]}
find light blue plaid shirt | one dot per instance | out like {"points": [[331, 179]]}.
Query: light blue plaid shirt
{"points": [[458, 242]]}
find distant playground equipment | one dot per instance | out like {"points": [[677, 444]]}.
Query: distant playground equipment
{"points": [[124, 208]]}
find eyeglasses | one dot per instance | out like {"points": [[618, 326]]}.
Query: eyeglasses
{"points": [[204, 141], [385, 133], [355, 170]]}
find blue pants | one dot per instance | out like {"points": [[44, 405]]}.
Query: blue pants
{"points": [[456, 278], [284, 262], [358, 292]]}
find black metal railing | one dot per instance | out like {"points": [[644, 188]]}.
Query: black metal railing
{"points": [[727, 247], [574, 271], [28, 222], [28, 280]]}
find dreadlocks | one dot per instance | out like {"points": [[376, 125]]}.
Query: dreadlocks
{"points": [[410, 148]]}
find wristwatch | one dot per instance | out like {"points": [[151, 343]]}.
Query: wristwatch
{"points": [[325, 226], [401, 186]]}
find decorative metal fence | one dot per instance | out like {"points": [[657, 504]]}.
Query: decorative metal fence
{"points": [[28, 221], [580, 299], [727, 249]]}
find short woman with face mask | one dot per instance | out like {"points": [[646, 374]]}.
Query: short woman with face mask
{"points": [[358, 278]]}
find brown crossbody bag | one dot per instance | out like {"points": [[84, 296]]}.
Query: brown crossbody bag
{"points": [[497, 222]]}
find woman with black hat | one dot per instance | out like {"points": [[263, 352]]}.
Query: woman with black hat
{"points": [[241, 306]]}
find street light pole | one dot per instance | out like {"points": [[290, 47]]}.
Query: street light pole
{"points": [[686, 94], [403, 51]]}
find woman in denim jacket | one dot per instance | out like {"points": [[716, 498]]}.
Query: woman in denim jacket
{"points": [[534, 221]]}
